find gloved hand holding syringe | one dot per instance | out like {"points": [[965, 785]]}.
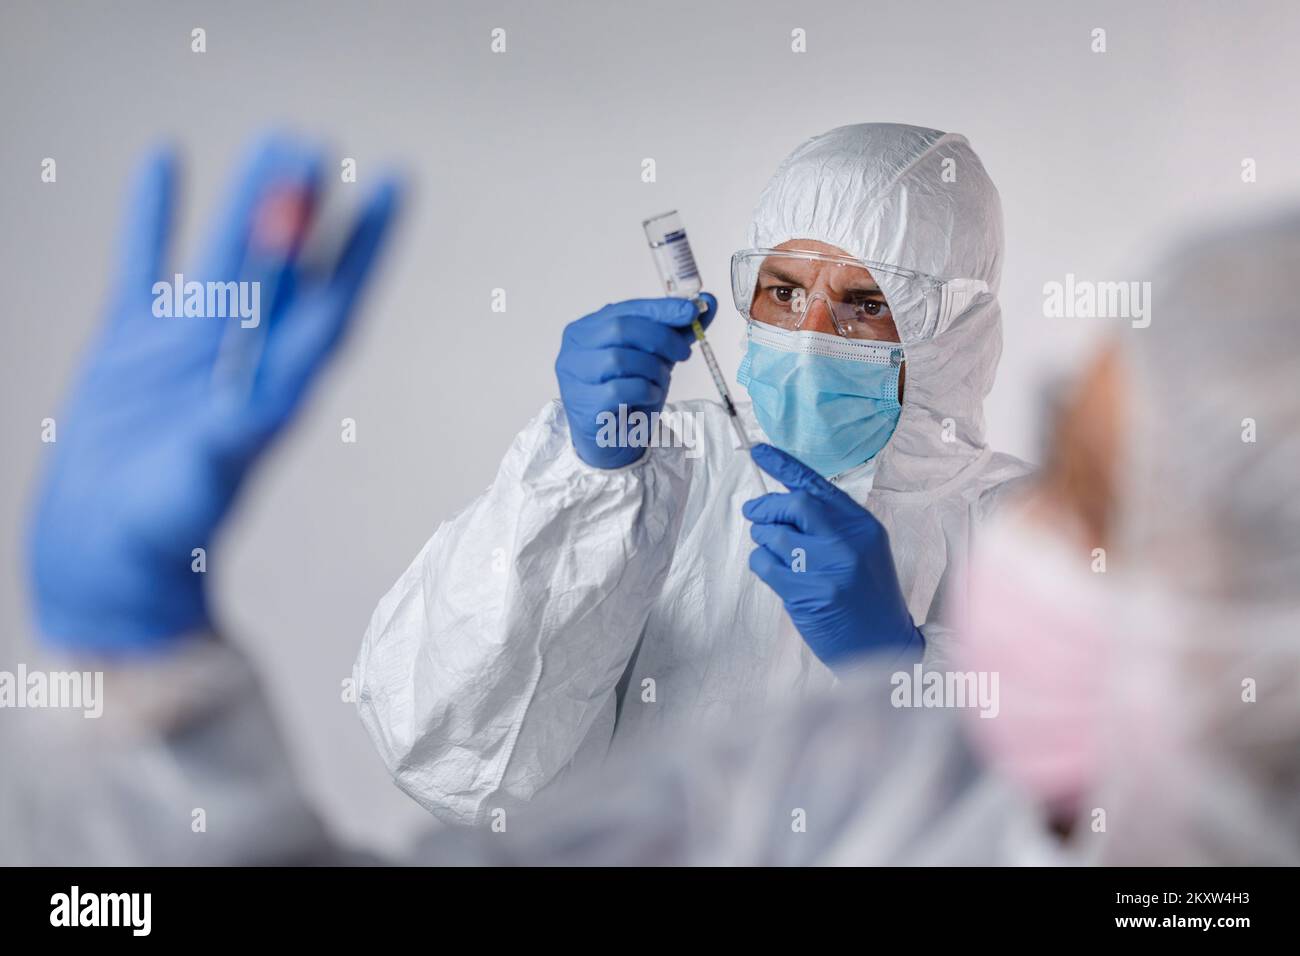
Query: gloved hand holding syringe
{"points": [[676, 263]]}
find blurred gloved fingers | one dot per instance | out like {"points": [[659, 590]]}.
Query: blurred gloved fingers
{"points": [[366, 242], [302, 339], [147, 228], [275, 162]]}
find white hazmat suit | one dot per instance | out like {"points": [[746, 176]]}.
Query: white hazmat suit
{"points": [[1208, 518], [570, 606]]}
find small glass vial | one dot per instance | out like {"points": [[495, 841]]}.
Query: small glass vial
{"points": [[673, 256]]}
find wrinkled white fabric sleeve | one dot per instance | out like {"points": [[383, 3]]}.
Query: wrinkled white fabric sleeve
{"points": [[186, 768], [179, 763], [497, 654]]}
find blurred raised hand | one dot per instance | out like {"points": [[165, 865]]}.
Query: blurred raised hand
{"points": [[170, 411]]}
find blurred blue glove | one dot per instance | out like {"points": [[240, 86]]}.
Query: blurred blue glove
{"points": [[846, 600], [153, 448], [622, 355]]}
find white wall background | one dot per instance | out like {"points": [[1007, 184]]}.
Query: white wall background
{"points": [[528, 168]]}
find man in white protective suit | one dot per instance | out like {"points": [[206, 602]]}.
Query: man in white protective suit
{"points": [[633, 598], [1162, 692]]}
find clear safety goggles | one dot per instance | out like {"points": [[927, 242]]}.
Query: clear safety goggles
{"points": [[782, 288]]}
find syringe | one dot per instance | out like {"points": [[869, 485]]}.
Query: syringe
{"points": [[676, 263]]}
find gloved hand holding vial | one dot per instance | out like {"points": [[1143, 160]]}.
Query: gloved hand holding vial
{"points": [[619, 360], [676, 264]]}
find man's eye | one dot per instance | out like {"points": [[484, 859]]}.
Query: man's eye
{"points": [[871, 308], [782, 293]]}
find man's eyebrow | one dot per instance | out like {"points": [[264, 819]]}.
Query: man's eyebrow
{"points": [[776, 273]]}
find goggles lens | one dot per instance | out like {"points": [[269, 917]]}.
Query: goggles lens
{"points": [[811, 291]]}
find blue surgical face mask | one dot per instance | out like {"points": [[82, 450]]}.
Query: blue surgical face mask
{"points": [[831, 402]]}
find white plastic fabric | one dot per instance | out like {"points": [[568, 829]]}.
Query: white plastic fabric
{"points": [[843, 778], [569, 608], [1209, 527]]}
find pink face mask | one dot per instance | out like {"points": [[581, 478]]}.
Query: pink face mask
{"points": [[1038, 615]]}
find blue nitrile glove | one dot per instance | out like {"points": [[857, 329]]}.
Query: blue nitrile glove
{"points": [[151, 448], [622, 355], [846, 600]]}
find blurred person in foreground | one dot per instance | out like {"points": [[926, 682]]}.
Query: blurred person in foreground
{"points": [[1163, 693]]}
